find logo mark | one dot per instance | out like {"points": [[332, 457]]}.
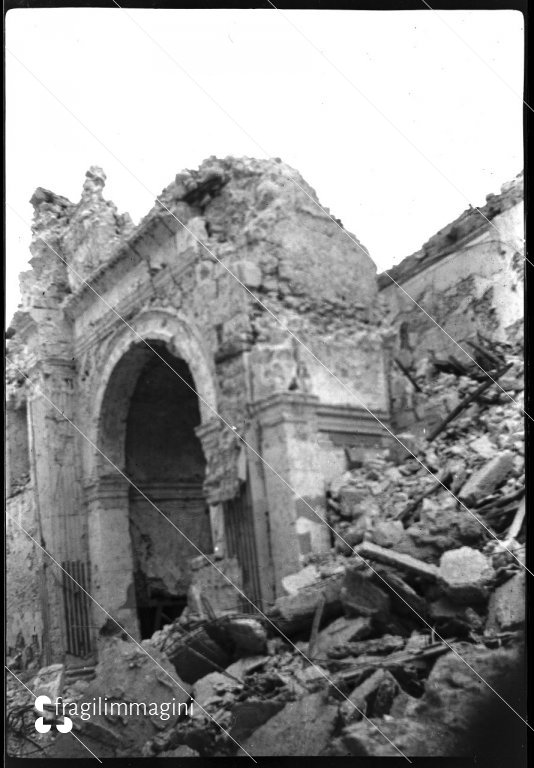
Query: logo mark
{"points": [[43, 724]]}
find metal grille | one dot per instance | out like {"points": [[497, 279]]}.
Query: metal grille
{"points": [[240, 541], [77, 612]]}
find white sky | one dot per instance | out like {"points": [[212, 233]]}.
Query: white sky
{"points": [[286, 97]]}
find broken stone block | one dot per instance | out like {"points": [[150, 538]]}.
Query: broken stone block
{"points": [[387, 533], [483, 446], [182, 649], [249, 274], [402, 451], [312, 677], [410, 564], [412, 738], [453, 693], [442, 722], [358, 700], [361, 597], [212, 687], [249, 715], [302, 727], [489, 477], [303, 578], [341, 631], [337, 484], [126, 674], [356, 456], [350, 502], [246, 665], [466, 574], [404, 599], [292, 613], [248, 634], [453, 618], [356, 532], [49, 681], [385, 695], [506, 607]]}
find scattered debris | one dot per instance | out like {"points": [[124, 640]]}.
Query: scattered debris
{"points": [[385, 618]]}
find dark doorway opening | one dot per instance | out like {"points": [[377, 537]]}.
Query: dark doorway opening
{"points": [[164, 459]]}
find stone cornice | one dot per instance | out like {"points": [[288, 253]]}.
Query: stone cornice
{"points": [[285, 406], [75, 303], [129, 304], [350, 419]]}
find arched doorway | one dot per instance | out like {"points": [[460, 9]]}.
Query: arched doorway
{"points": [[164, 458], [147, 425]]}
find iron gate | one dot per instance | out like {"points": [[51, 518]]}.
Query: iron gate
{"points": [[77, 611], [241, 543]]}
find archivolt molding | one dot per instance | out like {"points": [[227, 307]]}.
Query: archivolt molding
{"points": [[115, 374]]}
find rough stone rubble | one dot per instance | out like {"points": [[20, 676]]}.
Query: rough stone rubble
{"points": [[406, 567], [436, 560]]}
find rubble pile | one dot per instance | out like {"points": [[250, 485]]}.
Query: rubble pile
{"points": [[370, 650], [395, 502], [390, 614]]}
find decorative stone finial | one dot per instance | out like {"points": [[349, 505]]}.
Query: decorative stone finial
{"points": [[95, 180]]}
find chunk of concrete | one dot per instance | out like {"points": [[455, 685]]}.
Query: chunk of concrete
{"points": [[49, 681], [489, 477], [441, 722], [249, 273], [126, 674], [350, 502], [454, 616], [506, 607], [453, 693], [246, 665], [396, 737], [302, 727], [466, 574], [341, 631], [397, 560], [361, 597], [312, 677], [357, 704], [212, 687], [248, 634], [483, 446], [295, 612], [294, 582], [249, 715], [387, 533]]}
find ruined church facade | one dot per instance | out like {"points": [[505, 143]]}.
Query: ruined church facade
{"points": [[171, 396]]}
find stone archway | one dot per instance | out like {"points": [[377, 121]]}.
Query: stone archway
{"points": [[147, 415], [164, 459]]}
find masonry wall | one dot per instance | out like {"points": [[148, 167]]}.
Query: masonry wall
{"points": [[25, 628], [469, 278], [91, 269]]}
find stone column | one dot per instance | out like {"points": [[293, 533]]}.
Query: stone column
{"points": [[289, 444], [111, 555]]}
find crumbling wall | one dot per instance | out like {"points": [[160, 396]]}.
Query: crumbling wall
{"points": [[169, 278], [24, 630], [468, 279]]}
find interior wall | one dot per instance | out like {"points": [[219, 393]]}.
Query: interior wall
{"points": [[164, 459]]}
